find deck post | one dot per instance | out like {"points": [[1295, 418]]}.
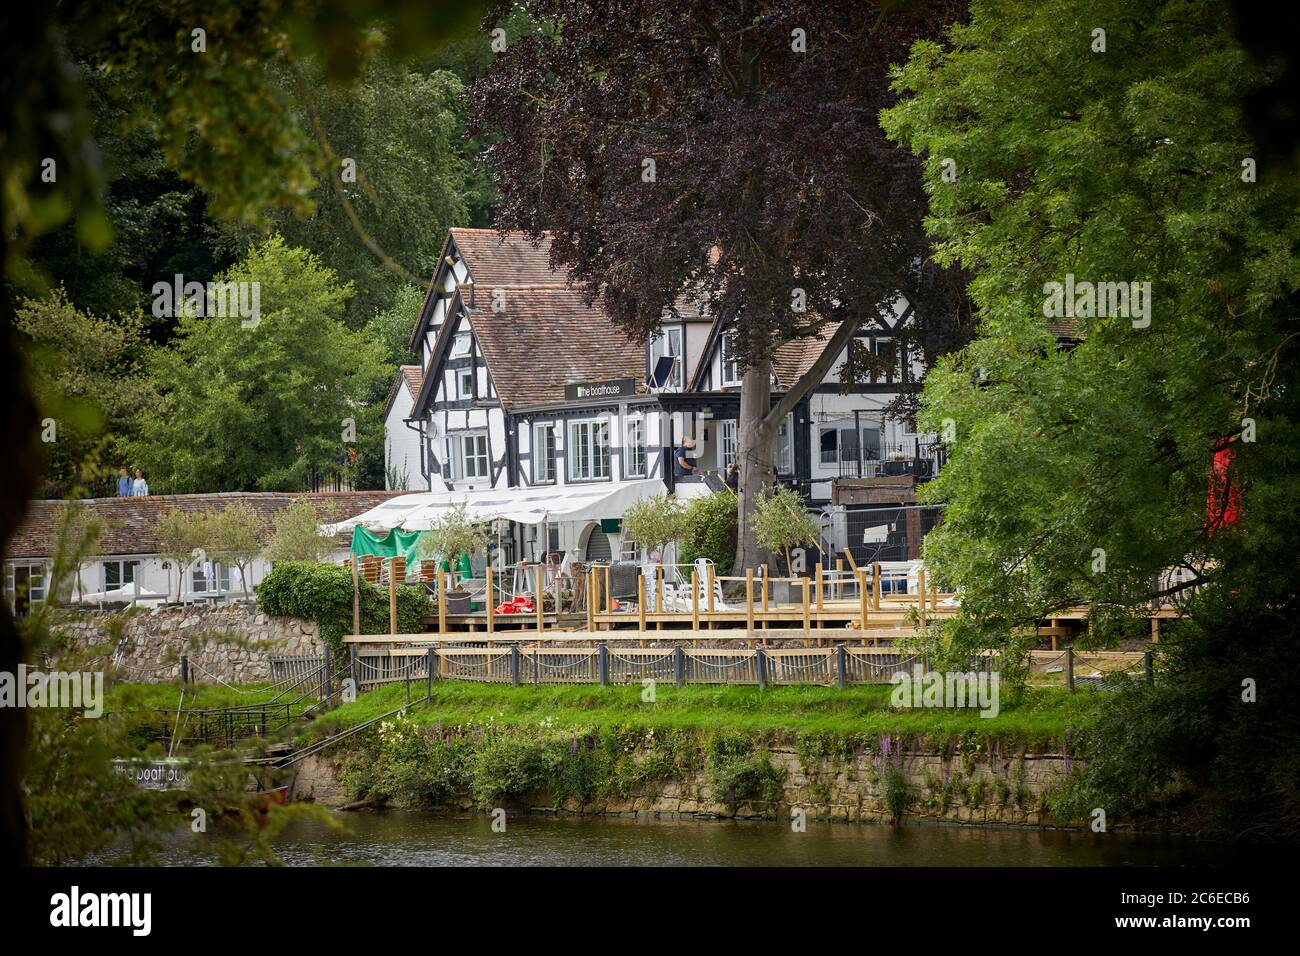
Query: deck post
{"points": [[541, 601], [1069, 668], [640, 602], [602, 664], [863, 600], [392, 595], [489, 607], [514, 664], [1155, 630], [709, 579], [766, 588], [442, 600], [352, 667], [356, 599], [659, 591], [1148, 665], [749, 605], [609, 596], [695, 600], [875, 585], [679, 665], [591, 608], [806, 623], [431, 659], [841, 669], [821, 592], [839, 578], [760, 665], [920, 594]]}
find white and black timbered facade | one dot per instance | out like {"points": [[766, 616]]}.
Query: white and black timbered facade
{"points": [[522, 384]]}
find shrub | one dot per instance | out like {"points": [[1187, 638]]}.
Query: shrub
{"points": [[508, 766], [782, 521], [323, 593], [709, 530]]}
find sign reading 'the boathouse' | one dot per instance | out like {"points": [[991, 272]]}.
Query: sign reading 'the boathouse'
{"points": [[617, 388]]}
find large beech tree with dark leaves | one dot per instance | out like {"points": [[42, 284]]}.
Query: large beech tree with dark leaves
{"points": [[730, 152]]}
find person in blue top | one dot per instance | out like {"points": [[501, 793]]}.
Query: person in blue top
{"points": [[682, 463], [123, 483]]}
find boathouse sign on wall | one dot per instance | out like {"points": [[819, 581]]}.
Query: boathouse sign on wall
{"points": [[616, 388]]}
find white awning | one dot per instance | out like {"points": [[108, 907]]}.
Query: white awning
{"points": [[586, 502]]}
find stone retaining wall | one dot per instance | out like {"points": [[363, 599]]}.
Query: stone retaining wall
{"points": [[233, 642], [938, 787]]}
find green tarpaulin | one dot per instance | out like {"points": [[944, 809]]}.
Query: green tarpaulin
{"points": [[390, 545], [405, 543]]}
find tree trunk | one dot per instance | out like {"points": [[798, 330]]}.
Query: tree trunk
{"points": [[755, 447]]}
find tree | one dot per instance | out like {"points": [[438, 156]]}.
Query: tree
{"points": [[453, 534], [260, 404], [782, 522], [297, 535], [730, 153], [182, 539], [1082, 472], [210, 103], [391, 175], [89, 385], [653, 523], [235, 535]]}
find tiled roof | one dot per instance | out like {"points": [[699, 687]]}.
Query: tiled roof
{"points": [[505, 259], [792, 359], [411, 377], [130, 523], [547, 337]]}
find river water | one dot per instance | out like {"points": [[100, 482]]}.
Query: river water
{"points": [[441, 839]]}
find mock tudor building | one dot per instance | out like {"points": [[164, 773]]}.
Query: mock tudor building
{"points": [[523, 384]]}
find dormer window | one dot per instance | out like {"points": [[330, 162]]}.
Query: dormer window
{"points": [[667, 344], [460, 345]]}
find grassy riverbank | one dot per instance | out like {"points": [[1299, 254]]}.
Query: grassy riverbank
{"points": [[1036, 715]]}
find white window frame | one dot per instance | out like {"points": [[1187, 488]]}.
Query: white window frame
{"points": [[596, 466], [475, 457], [462, 344], [728, 362], [220, 571], [784, 456], [543, 453], [661, 345], [636, 457], [35, 595], [122, 565], [461, 390], [449, 456], [728, 435]]}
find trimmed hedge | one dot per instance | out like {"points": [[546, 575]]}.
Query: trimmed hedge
{"points": [[323, 593]]}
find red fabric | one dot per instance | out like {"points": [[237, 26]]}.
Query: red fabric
{"points": [[520, 605], [1223, 503]]}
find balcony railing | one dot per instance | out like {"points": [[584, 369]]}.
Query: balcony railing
{"points": [[892, 459]]}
